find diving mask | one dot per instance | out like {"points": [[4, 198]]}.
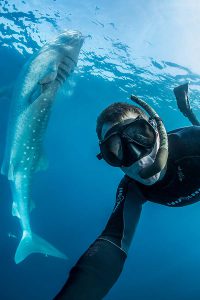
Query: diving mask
{"points": [[127, 142]]}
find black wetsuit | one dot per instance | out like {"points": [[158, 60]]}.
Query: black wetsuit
{"points": [[100, 266]]}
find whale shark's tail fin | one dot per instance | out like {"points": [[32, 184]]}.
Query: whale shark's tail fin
{"points": [[31, 243]]}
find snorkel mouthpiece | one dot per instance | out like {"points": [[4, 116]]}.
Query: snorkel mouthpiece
{"points": [[162, 154]]}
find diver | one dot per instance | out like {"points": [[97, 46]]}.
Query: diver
{"points": [[160, 167]]}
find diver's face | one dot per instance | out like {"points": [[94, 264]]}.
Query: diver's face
{"points": [[133, 171]]}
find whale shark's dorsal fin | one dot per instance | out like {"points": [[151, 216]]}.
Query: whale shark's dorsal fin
{"points": [[15, 211], [31, 205], [42, 164]]}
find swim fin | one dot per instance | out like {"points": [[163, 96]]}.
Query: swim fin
{"points": [[182, 99]]}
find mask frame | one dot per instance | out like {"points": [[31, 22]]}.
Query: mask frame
{"points": [[128, 141]]}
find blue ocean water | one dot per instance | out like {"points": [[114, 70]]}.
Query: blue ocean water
{"points": [[141, 47]]}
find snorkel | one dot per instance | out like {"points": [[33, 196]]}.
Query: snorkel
{"points": [[162, 154]]}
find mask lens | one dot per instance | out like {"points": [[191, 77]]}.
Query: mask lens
{"points": [[112, 151], [134, 152], [141, 133]]}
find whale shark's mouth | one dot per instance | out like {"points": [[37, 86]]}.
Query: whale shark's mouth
{"points": [[70, 38]]}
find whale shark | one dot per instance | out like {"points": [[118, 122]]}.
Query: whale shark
{"points": [[32, 102]]}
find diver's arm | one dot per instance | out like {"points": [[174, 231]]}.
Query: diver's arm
{"points": [[100, 266]]}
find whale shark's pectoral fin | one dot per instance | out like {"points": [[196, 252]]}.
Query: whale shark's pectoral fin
{"points": [[35, 94], [49, 76]]}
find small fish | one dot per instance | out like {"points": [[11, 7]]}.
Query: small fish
{"points": [[11, 235]]}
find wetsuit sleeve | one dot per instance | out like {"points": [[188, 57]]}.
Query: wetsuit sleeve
{"points": [[100, 266]]}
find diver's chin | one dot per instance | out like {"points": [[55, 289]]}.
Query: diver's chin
{"points": [[134, 172], [149, 181]]}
